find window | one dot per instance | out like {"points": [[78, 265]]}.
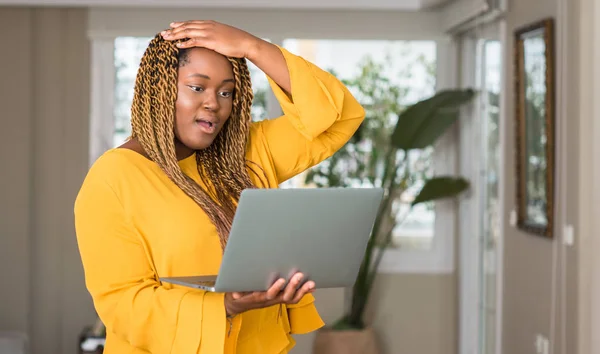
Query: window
{"points": [[403, 72], [480, 238], [490, 172], [385, 76], [261, 89], [128, 53]]}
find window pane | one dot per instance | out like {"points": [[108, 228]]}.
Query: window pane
{"points": [[128, 53], [261, 89], [385, 76], [127, 56], [490, 226]]}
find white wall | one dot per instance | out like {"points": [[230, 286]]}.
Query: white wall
{"points": [[540, 275], [43, 151], [305, 24], [263, 4], [587, 316]]}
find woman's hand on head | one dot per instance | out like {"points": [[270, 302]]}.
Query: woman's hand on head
{"points": [[226, 40], [236, 303]]}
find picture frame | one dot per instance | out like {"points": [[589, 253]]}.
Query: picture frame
{"points": [[535, 127]]}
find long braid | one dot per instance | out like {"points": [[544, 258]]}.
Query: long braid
{"points": [[222, 165], [229, 140]]}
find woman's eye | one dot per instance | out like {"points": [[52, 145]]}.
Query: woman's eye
{"points": [[196, 88], [226, 94]]}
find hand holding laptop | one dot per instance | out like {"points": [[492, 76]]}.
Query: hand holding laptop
{"points": [[236, 303]]}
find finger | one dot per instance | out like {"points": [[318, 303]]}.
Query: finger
{"points": [[308, 287], [180, 32], [275, 289], [197, 42], [171, 35], [291, 288], [194, 40], [181, 23], [188, 30]]}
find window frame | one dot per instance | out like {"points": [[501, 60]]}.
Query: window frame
{"points": [[437, 260], [102, 83]]}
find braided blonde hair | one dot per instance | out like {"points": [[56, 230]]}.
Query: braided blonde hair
{"points": [[222, 165]]}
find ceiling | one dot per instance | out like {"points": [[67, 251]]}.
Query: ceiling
{"points": [[397, 5]]}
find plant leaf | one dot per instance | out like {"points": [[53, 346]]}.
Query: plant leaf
{"points": [[421, 124], [441, 187], [429, 135]]}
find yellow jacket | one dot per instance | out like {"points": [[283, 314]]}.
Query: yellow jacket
{"points": [[134, 225]]}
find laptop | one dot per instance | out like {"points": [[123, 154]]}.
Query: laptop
{"points": [[321, 232]]}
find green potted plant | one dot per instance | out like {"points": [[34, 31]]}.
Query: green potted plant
{"points": [[392, 153]]}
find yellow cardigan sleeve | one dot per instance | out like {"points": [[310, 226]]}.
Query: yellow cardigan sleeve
{"points": [[122, 282], [318, 119], [303, 316]]}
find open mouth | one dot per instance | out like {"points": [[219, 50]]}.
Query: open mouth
{"points": [[207, 126]]}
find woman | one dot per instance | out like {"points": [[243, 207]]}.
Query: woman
{"points": [[162, 203]]}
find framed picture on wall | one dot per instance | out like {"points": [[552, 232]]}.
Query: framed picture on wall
{"points": [[535, 125]]}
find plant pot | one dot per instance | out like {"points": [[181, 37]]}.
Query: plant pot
{"points": [[328, 341]]}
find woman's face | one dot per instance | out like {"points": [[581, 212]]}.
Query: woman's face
{"points": [[205, 88]]}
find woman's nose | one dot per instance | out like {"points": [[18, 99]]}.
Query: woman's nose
{"points": [[211, 103]]}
